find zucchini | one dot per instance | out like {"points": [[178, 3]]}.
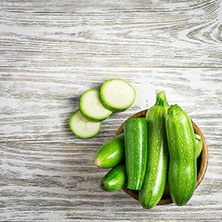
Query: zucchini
{"points": [[135, 138], [110, 153], [117, 95], [122, 176], [91, 107], [199, 144], [157, 154], [82, 127], [182, 174], [115, 179]]}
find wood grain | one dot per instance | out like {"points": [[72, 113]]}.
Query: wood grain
{"points": [[52, 51]]}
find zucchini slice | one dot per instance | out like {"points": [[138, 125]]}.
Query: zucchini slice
{"points": [[82, 127], [117, 95], [91, 107]]}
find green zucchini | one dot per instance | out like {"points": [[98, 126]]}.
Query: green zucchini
{"points": [[198, 141], [135, 138], [115, 179], [110, 153], [182, 174], [157, 154], [199, 144]]}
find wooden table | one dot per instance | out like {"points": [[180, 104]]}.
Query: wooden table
{"points": [[52, 51]]}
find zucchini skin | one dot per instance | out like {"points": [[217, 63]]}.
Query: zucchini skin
{"points": [[135, 138], [157, 154], [110, 153], [115, 179], [182, 174]]}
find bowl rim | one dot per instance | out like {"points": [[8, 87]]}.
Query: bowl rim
{"points": [[203, 156]]}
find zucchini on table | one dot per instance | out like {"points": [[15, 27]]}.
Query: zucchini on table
{"points": [[115, 179], [157, 154], [182, 174], [135, 139], [110, 153]]}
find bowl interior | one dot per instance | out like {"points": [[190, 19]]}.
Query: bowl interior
{"points": [[202, 161]]}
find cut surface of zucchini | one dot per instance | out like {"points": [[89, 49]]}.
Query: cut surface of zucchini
{"points": [[117, 95], [82, 127], [91, 107]]}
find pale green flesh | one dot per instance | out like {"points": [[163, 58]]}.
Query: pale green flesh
{"points": [[81, 127], [117, 94], [91, 106]]}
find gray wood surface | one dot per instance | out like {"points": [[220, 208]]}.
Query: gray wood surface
{"points": [[52, 51]]}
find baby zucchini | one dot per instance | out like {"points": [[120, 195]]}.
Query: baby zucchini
{"points": [[115, 179], [110, 153], [117, 95], [135, 138], [157, 154], [182, 174]]}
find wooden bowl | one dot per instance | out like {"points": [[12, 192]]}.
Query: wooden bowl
{"points": [[202, 162]]}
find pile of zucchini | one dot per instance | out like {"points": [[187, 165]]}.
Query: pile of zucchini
{"points": [[153, 150], [115, 95]]}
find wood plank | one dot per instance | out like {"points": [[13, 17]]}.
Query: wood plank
{"points": [[37, 107], [52, 51], [119, 34], [46, 168]]}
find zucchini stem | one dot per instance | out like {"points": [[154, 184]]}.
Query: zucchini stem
{"points": [[161, 99]]}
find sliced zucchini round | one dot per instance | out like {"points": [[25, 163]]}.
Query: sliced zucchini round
{"points": [[117, 95], [91, 107], [82, 127]]}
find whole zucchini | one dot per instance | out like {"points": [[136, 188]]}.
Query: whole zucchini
{"points": [[135, 138], [110, 153], [157, 154], [115, 179], [182, 174]]}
